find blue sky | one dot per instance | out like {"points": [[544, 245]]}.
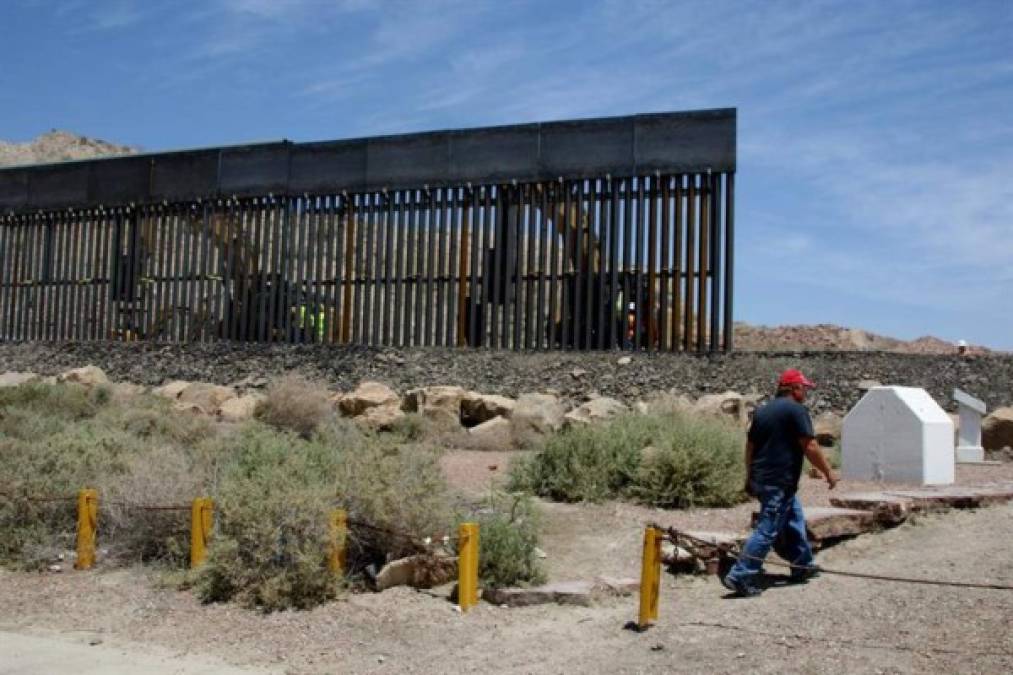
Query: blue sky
{"points": [[875, 184]]}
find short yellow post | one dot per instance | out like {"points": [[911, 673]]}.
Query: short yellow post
{"points": [[202, 519], [650, 578], [339, 538], [87, 526], [467, 565]]}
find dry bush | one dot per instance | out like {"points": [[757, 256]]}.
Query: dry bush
{"points": [[296, 404]]}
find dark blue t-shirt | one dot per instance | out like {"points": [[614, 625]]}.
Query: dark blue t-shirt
{"points": [[777, 453]]}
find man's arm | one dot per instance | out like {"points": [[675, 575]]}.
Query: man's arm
{"points": [[815, 456], [749, 464]]}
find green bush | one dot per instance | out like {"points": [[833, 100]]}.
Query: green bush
{"points": [[694, 462], [508, 542], [672, 460]]}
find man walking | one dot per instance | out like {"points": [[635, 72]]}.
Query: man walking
{"points": [[780, 436]]}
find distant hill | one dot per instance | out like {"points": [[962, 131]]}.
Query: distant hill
{"points": [[59, 146], [828, 337]]}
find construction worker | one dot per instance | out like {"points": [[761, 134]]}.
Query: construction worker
{"points": [[780, 435]]}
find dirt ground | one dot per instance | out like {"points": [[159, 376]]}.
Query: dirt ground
{"points": [[834, 624]]}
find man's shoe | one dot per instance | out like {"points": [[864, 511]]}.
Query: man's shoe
{"points": [[742, 589], [802, 576]]}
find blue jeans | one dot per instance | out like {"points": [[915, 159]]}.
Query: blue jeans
{"points": [[781, 526]]}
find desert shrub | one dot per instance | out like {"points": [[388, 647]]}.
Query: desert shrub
{"points": [[508, 542], [586, 462], [272, 503], [296, 404], [274, 497], [666, 460], [696, 461], [412, 427]]}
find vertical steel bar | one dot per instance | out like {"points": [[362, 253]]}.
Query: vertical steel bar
{"points": [[651, 310], [368, 268], [641, 244], [496, 252], [729, 258], [514, 265], [332, 270], [614, 311], [529, 248], [543, 322], [628, 252], [701, 314], [77, 313], [592, 259], [6, 224], [666, 262], [677, 293], [602, 305], [442, 225], [362, 212], [389, 234], [401, 213], [417, 295], [576, 222], [691, 253], [350, 237], [715, 265], [102, 316], [456, 263], [66, 247], [555, 265], [92, 274]]}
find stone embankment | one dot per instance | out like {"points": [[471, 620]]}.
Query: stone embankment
{"points": [[572, 376]]}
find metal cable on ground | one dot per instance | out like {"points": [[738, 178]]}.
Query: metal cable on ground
{"points": [[675, 535]]}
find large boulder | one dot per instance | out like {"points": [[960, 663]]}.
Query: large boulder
{"points": [[730, 404], [367, 395], [595, 410], [205, 398], [494, 433], [478, 408], [240, 408], [89, 376], [997, 429], [417, 571], [440, 404], [664, 403], [171, 390], [537, 413], [11, 379], [380, 418]]}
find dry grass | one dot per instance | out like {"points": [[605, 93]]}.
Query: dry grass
{"points": [[296, 404]]}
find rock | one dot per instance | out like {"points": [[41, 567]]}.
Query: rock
{"points": [[440, 404], [477, 408], [595, 410], [417, 571], [827, 427], [497, 431], [204, 398], [729, 404], [826, 522], [12, 379], [89, 376], [172, 390], [641, 408], [367, 395], [578, 373], [667, 403], [579, 593], [380, 418], [239, 409], [625, 360], [866, 385], [127, 391], [886, 509], [537, 413], [997, 429]]}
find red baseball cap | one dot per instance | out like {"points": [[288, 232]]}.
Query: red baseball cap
{"points": [[793, 376]]}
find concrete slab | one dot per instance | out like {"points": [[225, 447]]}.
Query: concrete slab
{"points": [[886, 509], [967, 497]]}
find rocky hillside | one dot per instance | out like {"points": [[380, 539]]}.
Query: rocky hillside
{"points": [[841, 377], [58, 146], [828, 337]]}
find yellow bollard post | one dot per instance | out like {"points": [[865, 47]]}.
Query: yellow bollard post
{"points": [[202, 519], [87, 526], [467, 566], [650, 578], [339, 538]]}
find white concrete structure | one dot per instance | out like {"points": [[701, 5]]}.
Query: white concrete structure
{"points": [[970, 410], [898, 434]]}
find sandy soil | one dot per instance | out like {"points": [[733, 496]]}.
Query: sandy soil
{"points": [[834, 624]]}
